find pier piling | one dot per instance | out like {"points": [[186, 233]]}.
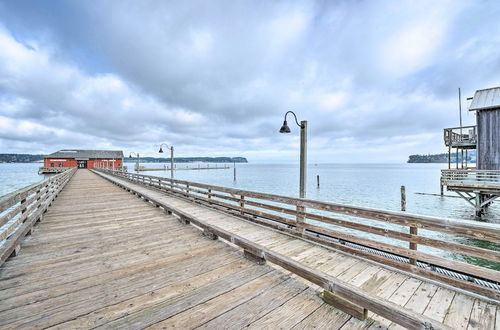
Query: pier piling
{"points": [[403, 198]]}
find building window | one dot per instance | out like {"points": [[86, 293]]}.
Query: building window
{"points": [[51, 164]]}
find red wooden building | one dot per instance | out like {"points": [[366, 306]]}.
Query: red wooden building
{"points": [[85, 159]]}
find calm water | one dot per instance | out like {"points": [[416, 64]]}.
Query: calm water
{"points": [[371, 185]]}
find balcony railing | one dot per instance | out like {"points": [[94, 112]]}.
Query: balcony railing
{"points": [[486, 179], [465, 136]]}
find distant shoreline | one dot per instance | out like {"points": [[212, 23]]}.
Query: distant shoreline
{"points": [[441, 158], [29, 158]]}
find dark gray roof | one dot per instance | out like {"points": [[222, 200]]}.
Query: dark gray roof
{"points": [[485, 99], [78, 153]]}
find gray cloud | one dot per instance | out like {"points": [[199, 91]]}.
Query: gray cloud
{"points": [[216, 77]]}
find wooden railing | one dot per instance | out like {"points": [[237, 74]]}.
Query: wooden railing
{"points": [[489, 179], [342, 295], [395, 239], [20, 210], [465, 135]]}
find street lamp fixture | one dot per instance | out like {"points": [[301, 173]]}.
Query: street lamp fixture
{"points": [[303, 149], [137, 161], [171, 157]]}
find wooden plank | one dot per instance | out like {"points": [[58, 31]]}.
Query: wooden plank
{"points": [[439, 304], [150, 298], [419, 300], [435, 276], [223, 303], [400, 297], [35, 294], [281, 317], [467, 229], [458, 315], [468, 286], [73, 271], [436, 260], [482, 316], [384, 285], [344, 305], [76, 303], [256, 308], [325, 317], [177, 304]]}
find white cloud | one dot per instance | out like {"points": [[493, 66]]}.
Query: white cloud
{"points": [[378, 78]]}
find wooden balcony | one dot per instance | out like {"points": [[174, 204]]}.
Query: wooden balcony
{"points": [[482, 180], [464, 137]]}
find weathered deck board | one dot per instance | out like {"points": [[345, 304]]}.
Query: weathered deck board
{"points": [[103, 258], [399, 289], [112, 261]]}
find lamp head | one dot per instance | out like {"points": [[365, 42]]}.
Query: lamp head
{"points": [[285, 128], [130, 156], [161, 150]]}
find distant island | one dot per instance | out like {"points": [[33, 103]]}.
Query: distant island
{"points": [[28, 158], [20, 158], [441, 158]]}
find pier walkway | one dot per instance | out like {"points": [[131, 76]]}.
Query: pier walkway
{"points": [[103, 258]]}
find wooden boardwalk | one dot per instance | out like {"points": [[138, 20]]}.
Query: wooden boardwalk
{"points": [[104, 258]]}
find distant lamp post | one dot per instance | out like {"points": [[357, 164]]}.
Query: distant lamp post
{"points": [[171, 158], [303, 150], [137, 161]]}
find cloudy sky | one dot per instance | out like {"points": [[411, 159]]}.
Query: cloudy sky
{"points": [[376, 80]]}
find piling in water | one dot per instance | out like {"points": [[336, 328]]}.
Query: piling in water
{"points": [[403, 198]]}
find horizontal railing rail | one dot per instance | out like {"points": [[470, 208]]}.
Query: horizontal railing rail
{"points": [[397, 239], [478, 178], [20, 210], [460, 135], [355, 296]]}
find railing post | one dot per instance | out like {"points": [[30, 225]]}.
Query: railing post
{"points": [[23, 207], [300, 220], [187, 189], [242, 204], [39, 197], [403, 198], [209, 195], [413, 246]]}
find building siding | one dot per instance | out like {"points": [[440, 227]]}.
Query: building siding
{"points": [[488, 148], [91, 163]]}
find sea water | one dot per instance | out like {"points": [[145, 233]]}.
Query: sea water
{"points": [[371, 185]]}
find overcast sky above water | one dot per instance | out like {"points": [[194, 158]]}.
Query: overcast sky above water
{"points": [[376, 80]]}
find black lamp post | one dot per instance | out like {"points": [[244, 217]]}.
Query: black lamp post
{"points": [[171, 158], [303, 150], [137, 162]]}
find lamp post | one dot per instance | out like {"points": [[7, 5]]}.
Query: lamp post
{"points": [[137, 162], [303, 150], [171, 158]]}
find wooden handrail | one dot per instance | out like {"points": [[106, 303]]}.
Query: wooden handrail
{"points": [[384, 308], [281, 212], [462, 127], [488, 179], [20, 210]]}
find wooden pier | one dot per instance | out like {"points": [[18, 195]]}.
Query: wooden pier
{"points": [[142, 168], [100, 257], [51, 170]]}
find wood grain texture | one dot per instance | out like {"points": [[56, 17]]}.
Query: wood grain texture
{"points": [[103, 258], [180, 210]]}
